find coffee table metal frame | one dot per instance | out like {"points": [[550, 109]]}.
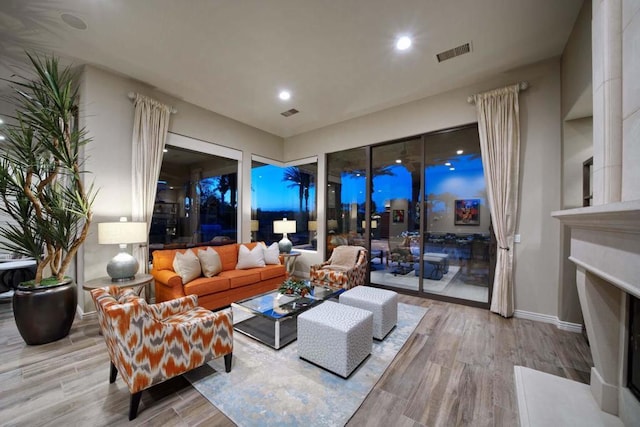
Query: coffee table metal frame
{"points": [[274, 315]]}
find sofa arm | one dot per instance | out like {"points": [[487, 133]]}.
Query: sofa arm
{"points": [[165, 309], [167, 278]]}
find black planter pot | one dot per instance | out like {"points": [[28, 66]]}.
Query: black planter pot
{"points": [[44, 315]]}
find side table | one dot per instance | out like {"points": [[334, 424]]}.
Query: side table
{"points": [[290, 261], [141, 281]]}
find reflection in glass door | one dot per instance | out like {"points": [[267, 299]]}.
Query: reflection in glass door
{"points": [[395, 214], [425, 220], [457, 222]]}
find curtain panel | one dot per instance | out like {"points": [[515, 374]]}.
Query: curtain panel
{"points": [[150, 127], [499, 129]]}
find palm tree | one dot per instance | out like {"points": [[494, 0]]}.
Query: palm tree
{"points": [[296, 178]]}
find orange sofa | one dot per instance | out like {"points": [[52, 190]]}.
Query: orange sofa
{"points": [[228, 286]]}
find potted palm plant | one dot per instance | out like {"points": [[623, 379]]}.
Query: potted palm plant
{"points": [[43, 193]]}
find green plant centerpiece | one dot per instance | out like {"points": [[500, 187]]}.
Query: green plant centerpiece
{"points": [[295, 287], [43, 192]]}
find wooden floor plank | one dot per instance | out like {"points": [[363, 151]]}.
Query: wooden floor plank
{"points": [[455, 369]]}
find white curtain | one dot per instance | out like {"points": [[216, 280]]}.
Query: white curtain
{"points": [[499, 129], [150, 126]]}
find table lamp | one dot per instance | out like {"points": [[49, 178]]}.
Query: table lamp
{"points": [[313, 226], [283, 227], [123, 266]]}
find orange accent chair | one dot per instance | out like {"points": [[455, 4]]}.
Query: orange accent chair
{"points": [[346, 268], [151, 343]]}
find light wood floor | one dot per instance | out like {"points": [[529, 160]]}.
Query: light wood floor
{"points": [[456, 369]]}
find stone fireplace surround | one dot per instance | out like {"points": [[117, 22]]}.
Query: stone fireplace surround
{"points": [[605, 247]]}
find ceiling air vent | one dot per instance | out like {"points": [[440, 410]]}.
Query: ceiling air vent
{"points": [[452, 53], [290, 112]]}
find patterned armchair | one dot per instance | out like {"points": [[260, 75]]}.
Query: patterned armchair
{"points": [[346, 268], [150, 343]]}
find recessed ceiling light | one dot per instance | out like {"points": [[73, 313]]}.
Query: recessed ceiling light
{"points": [[448, 164], [403, 43], [398, 161], [164, 150], [452, 169], [284, 95], [459, 152]]}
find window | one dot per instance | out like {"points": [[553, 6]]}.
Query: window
{"points": [[196, 199], [284, 191]]}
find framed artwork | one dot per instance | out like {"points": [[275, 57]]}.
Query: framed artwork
{"points": [[398, 215], [467, 212]]}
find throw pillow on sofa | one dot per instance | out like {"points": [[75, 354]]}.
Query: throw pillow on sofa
{"points": [[250, 258], [187, 265], [271, 254], [209, 262]]}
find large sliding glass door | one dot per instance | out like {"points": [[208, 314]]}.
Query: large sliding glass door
{"points": [[457, 220], [422, 214], [395, 214]]}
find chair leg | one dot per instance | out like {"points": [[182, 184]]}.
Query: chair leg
{"points": [[133, 405], [113, 374], [227, 362]]}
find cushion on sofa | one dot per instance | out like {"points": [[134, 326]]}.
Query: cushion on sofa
{"points": [[207, 285], [271, 271], [187, 265], [210, 262], [239, 278], [271, 254], [250, 258]]}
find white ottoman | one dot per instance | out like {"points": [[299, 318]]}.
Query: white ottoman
{"points": [[381, 302], [334, 336]]}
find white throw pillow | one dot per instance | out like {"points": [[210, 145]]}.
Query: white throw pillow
{"points": [[250, 258], [210, 262], [187, 265], [271, 254], [345, 256]]}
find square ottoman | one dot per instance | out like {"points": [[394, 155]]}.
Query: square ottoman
{"points": [[336, 337], [381, 302]]}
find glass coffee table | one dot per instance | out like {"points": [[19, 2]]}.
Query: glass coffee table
{"points": [[273, 315]]}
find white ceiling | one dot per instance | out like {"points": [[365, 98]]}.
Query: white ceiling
{"points": [[335, 56]]}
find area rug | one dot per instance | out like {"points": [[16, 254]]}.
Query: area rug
{"points": [[275, 388], [410, 280]]}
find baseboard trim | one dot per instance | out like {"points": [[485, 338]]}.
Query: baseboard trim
{"points": [[547, 318]]}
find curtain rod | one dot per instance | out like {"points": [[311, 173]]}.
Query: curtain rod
{"points": [[521, 85], [132, 96]]}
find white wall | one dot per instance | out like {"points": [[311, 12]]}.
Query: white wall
{"points": [[536, 271], [108, 115]]}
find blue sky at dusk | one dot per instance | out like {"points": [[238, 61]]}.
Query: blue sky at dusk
{"points": [[270, 192]]}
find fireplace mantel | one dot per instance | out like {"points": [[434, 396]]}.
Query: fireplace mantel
{"points": [[605, 246], [621, 217]]}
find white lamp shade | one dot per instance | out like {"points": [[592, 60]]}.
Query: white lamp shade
{"points": [[255, 225], [284, 226], [312, 225], [121, 233], [332, 224]]}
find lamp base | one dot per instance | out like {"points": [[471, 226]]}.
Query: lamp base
{"points": [[285, 245], [122, 267]]}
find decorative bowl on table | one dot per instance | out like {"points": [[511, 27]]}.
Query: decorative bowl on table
{"points": [[295, 287]]}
